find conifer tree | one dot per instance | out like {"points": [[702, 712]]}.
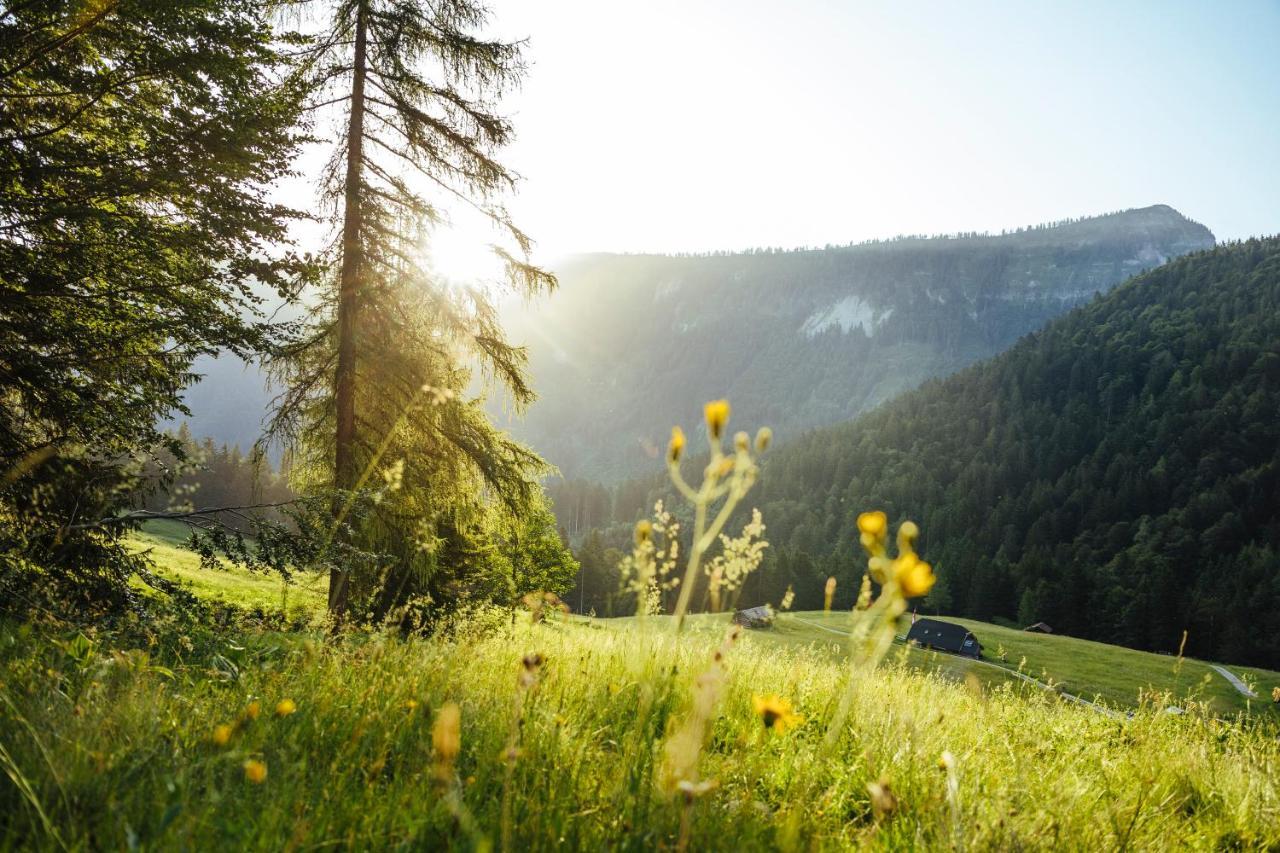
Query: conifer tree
{"points": [[417, 83], [138, 142]]}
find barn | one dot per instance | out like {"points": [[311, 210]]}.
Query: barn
{"points": [[944, 636]]}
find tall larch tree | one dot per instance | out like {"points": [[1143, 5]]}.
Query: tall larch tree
{"points": [[382, 378]]}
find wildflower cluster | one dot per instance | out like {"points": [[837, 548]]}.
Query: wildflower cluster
{"points": [[255, 770], [649, 570], [913, 576], [874, 623], [726, 479], [738, 558]]}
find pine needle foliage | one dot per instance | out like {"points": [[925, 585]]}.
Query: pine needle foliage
{"points": [[382, 378], [138, 142]]}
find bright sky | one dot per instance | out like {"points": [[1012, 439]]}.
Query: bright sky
{"points": [[679, 125]]}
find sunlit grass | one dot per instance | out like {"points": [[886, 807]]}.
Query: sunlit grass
{"points": [[113, 752], [233, 584]]}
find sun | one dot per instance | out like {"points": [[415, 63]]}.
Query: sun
{"points": [[462, 252]]}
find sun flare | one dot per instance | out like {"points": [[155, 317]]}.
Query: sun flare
{"points": [[463, 253]]}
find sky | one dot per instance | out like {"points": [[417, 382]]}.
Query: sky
{"points": [[695, 125]]}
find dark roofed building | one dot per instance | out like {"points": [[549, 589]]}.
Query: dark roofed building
{"points": [[755, 617], [1039, 628], [944, 636]]}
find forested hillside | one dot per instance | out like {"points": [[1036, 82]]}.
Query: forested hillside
{"points": [[1116, 475], [634, 343]]}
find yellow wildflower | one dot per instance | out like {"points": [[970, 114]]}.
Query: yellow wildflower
{"points": [[253, 709], [776, 713], [829, 593], [411, 704], [1275, 694], [876, 523], [873, 529], [763, 438], [285, 707], [915, 576], [255, 771], [741, 442], [788, 598], [676, 447], [446, 733], [222, 734], [717, 415], [644, 532]]}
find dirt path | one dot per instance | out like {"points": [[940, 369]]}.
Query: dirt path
{"points": [[1235, 682], [1101, 709]]}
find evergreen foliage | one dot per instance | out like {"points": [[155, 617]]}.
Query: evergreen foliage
{"points": [[1116, 475], [202, 474], [376, 393], [140, 138]]}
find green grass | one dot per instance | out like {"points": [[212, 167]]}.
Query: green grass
{"points": [[233, 584], [104, 749], [1114, 675], [1110, 674]]}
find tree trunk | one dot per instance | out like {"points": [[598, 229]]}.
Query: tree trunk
{"points": [[346, 474]]}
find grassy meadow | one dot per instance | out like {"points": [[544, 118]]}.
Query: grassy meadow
{"points": [[566, 734], [232, 584], [501, 732]]}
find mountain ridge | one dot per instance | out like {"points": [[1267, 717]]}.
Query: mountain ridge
{"points": [[801, 338]]}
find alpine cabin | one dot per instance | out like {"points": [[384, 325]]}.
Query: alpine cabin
{"points": [[944, 636]]}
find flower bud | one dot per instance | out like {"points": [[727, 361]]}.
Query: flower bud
{"points": [[676, 445], [764, 437], [644, 532], [717, 414]]}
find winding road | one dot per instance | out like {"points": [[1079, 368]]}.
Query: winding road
{"points": [[1235, 682]]}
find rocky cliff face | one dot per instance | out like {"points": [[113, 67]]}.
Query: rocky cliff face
{"points": [[632, 344]]}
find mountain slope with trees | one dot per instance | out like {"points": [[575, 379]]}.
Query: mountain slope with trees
{"points": [[1116, 475], [631, 344]]}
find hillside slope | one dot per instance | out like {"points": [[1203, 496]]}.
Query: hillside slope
{"points": [[634, 343], [1116, 475]]}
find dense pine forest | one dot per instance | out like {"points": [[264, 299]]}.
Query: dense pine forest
{"points": [[1115, 475]]}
